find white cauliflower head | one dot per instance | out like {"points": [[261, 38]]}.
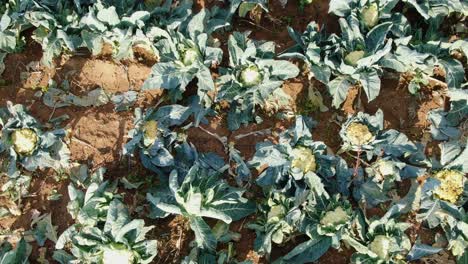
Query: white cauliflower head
{"points": [[335, 217], [383, 169], [113, 255], [359, 134], [150, 129], [451, 185], [303, 159], [353, 57], [370, 15], [381, 246], [24, 141], [250, 76], [190, 56]]}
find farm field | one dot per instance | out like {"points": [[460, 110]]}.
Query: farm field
{"points": [[235, 131]]}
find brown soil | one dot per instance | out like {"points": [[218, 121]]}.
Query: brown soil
{"points": [[98, 133]]}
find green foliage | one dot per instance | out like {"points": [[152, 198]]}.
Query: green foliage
{"points": [[65, 26], [309, 192], [186, 55], [200, 194], [252, 76], [286, 166], [19, 254], [445, 124], [380, 241], [160, 149], [24, 142]]}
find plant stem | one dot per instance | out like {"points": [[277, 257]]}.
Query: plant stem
{"points": [[358, 163], [358, 157]]}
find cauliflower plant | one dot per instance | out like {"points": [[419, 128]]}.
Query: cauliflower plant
{"points": [[455, 228], [251, 78], [24, 141], [448, 184], [384, 169], [377, 183], [380, 241], [444, 197], [381, 246], [190, 56], [334, 218], [285, 165], [116, 239], [359, 132], [200, 193], [275, 222], [156, 143], [325, 215], [325, 219], [90, 207], [370, 14], [364, 133], [187, 54], [352, 57]]}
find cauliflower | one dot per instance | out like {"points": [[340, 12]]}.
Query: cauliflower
{"points": [[150, 129], [353, 57], [451, 185], [189, 56], [115, 255], [24, 141], [250, 76], [276, 211], [304, 159], [335, 217], [370, 15], [359, 134], [383, 169], [381, 246], [284, 229]]}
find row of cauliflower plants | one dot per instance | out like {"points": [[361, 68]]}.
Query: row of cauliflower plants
{"points": [[376, 38]]}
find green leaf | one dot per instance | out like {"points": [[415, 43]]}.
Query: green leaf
{"points": [[370, 82], [376, 37], [454, 72], [244, 8], [421, 6], [7, 41], [203, 234], [237, 210], [109, 16], [168, 76], [339, 7], [117, 217], [419, 251], [321, 72], [19, 255], [308, 251], [338, 89], [449, 151]]}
